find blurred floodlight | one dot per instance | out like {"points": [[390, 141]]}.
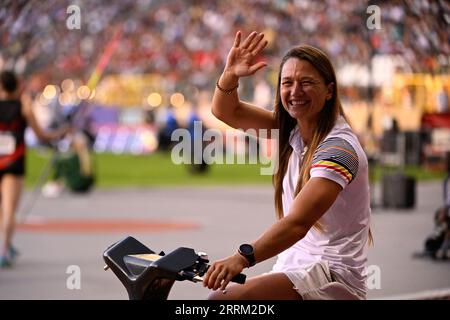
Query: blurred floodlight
{"points": [[83, 92], [49, 92], [68, 85], [64, 99], [154, 99], [177, 99]]}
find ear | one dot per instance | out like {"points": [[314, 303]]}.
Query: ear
{"points": [[330, 90]]}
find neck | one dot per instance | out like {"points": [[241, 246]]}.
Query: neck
{"points": [[307, 129]]}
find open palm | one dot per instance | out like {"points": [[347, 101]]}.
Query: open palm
{"points": [[240, 61]]}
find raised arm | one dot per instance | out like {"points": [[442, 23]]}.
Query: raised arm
{"points": [[226, 105]]}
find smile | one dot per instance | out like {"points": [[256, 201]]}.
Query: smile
{"points": [[298, 103]]}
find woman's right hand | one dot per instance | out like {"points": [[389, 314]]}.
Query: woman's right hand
{"points": [[240, 61]]}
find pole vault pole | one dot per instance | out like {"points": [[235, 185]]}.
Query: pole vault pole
{"points": [[101, 65], [104, 59]]}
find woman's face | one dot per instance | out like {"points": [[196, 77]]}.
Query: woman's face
{"points": [[303, 91]]}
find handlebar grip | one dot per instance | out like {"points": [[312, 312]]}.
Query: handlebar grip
{"points": [[239, 278]]}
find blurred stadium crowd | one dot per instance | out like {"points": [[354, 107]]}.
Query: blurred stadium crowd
{"points": [[188, 40], [151, 50]]}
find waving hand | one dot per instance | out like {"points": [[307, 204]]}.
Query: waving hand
{"points": [[241, 59]]}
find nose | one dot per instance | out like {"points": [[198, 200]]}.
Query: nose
{"points": [[297, 88]]}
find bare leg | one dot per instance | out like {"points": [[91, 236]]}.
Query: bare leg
{"points": [[11, 189], [272, 286]]}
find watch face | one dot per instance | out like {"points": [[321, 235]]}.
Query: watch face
{"points": [[246, 249]]}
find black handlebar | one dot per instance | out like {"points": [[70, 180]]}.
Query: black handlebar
{"points": [[239, 278], [150, 276]]}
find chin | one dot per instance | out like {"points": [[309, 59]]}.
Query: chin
{"points": [[297, 114]]}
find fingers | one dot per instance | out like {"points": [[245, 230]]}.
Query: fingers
{"points": [[221, 272], [222, 275], [213, 279], [257, 66], [207, 276], [249, 40], [237, 39], [218, 278], [225, 282], [256, 41], [210, 276], [258, 48]]}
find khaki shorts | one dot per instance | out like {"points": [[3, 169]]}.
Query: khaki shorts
{"points": [[317, 282]]}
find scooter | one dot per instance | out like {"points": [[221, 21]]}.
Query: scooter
{"points": [[150, 276]]}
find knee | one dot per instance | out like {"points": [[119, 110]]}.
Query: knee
{"points": [[216, 295]]}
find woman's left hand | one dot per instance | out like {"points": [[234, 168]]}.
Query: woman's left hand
{"points": [[221, 272]]}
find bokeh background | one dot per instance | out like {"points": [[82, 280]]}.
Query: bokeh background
{"points": [[134, 71]]}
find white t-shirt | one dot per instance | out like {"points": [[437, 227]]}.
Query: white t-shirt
{"points": [[343, 244]]}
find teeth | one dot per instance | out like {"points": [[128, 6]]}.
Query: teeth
{"points": [[299, 103]]}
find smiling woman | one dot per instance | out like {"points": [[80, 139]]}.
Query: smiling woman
{"points": [[302, 93], [321, 185]]}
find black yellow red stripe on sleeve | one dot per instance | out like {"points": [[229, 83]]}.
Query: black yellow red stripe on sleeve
{"points": [[337, 155]]}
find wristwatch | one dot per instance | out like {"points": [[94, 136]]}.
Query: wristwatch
{"points": [[246, 250]]}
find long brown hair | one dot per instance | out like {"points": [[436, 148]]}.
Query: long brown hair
{"points": [[285, 123]]}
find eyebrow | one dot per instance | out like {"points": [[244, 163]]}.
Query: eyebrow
{"points": [[302, 78]]}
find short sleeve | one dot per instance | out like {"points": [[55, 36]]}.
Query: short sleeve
{"points": [[335, 159]]}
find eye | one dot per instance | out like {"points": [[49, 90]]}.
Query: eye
{"points": [[307, 83]]}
